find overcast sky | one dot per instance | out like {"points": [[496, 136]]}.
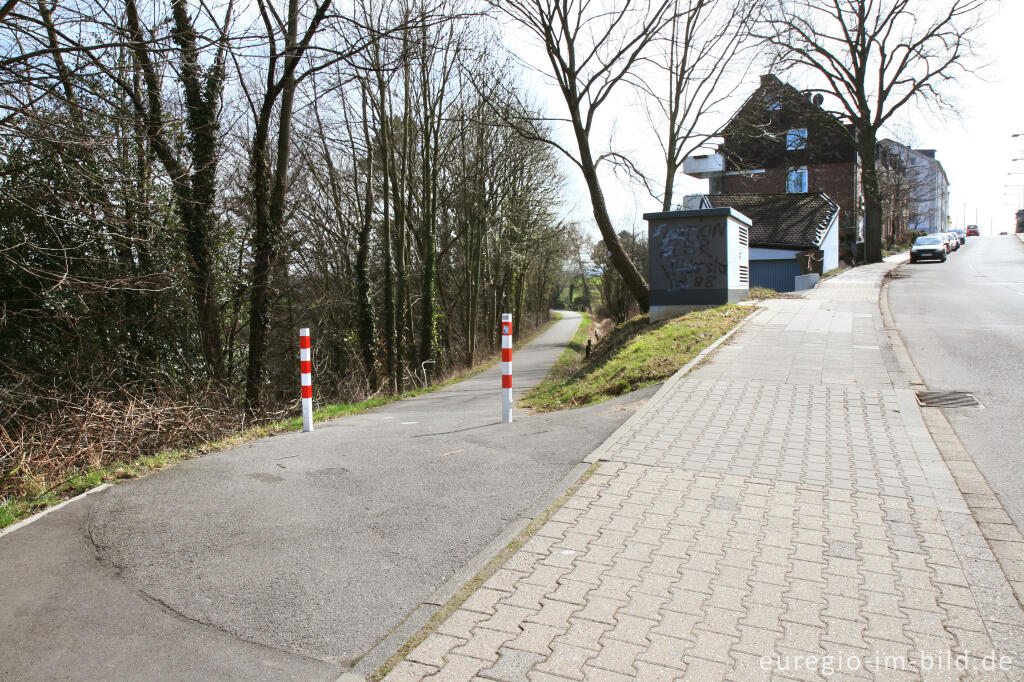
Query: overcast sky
{"points": [[976, 147]]}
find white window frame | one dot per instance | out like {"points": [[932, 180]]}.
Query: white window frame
{"points": [[799, 175], [796, 138]]}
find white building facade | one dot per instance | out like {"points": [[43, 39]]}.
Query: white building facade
{"points": [[914, 186]]}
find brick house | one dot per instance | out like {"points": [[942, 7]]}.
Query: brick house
{"points": [[782, 141]]}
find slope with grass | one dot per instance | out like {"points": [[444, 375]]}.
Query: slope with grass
{"points": [[633, 355]]}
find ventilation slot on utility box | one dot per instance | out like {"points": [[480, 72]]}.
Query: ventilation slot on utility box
{"points": [[947, 399]]}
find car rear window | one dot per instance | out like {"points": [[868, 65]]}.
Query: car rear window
{"points": [[927, 241]]}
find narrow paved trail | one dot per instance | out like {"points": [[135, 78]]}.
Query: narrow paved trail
{"points": [[293, 556]]}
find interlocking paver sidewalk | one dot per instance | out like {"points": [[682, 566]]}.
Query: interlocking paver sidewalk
{"points": [[779, 513]]}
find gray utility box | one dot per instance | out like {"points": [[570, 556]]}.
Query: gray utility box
{"points": [[698, 259]]}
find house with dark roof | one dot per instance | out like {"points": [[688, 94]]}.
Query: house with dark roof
{"points": [[781, 141], [793, 238]]}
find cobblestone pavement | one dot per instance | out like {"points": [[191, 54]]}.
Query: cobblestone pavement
{"points": [[781, 512]]}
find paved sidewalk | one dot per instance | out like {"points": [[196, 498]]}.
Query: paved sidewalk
{"points": [[779, 513]]}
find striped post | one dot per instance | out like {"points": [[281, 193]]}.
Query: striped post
{"points": [[506, 368], [306, 374]]}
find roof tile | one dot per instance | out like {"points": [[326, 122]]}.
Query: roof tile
{"points": [[797, 220]]}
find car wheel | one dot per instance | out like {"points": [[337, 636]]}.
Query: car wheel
{"points": [[942, 259]]}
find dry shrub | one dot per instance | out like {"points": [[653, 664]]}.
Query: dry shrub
{"points": [[50, 434]]}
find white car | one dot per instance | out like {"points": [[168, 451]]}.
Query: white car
{"points": [[948, 240]]}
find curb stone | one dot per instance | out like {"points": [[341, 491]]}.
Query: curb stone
{"points": [[49, 510], [374, 665], [1001, 534]]}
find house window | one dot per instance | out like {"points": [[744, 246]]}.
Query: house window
{"points": [[796, 138], [772, 103], [796, 180]]}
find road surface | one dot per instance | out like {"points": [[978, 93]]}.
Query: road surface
{"points": [[293, 556], [963, 324]]}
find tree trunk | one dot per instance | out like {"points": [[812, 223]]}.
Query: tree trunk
{"points": [[872, 197], [620, 259], [269, 195], [195, 190], [389, 272], [367, 335]]}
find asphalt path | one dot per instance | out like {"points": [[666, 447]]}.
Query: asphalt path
{"points": [[294, 556], [963, 324]]}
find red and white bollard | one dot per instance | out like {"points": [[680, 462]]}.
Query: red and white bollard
{"points": [[506, 368], [306, 375]]}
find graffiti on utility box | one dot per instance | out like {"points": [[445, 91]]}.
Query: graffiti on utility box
{"points": [[697, 258], [686, 259]]}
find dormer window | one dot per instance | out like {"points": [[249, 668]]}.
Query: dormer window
{"points": [[796, 138]]}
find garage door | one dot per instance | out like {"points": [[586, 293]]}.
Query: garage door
{"points": [[774, 274]]}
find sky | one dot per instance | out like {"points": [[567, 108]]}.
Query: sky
{"points": [[974, 145], [977, 148]]}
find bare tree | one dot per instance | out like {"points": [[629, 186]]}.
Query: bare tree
{"points": [[875, 57], [194, 185], [707, 44], [908, 191], [591, 48]]}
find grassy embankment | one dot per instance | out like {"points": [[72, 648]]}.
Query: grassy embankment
{"points": [[633, 355], [40, 497]]}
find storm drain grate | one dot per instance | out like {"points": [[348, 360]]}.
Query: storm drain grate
{"points": [[947, 399]]}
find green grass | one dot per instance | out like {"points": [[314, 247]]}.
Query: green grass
{"points": [[635, 354], [41, 496], [576, 349]]}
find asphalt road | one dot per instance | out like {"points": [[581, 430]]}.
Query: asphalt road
{"points": [[293, 556], [963, 324]]}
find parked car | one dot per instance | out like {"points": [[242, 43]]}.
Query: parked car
{"points": [[954, 243], [972, 230], [945, 241], [959, 233], [929, 247]]}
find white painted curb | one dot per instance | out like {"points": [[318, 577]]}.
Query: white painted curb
{"points": [[36, 517]]}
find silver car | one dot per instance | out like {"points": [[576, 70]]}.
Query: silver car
{"points": [[930, 246]]}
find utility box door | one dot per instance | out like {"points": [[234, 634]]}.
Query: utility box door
{"points": [[698, 258]]}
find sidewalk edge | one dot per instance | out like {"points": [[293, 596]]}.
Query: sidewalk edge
{"points": [[1000, 533], [482, 567], [425, 618], [598, 454]]}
